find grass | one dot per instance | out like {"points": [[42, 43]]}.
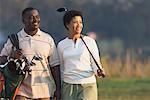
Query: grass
{"points": [[124, 89]]}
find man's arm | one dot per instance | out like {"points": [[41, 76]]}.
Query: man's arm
{"points": [[56, 75], [15, 54]]}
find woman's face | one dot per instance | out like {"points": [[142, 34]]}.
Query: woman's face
{"points": [[75, 26]]}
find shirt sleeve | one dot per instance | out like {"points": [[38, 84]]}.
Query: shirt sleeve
{"points": [[6, 50], [60, 53], [53, 57]]}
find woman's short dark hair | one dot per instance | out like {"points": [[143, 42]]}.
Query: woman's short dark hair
{"points": [[69, 15]]}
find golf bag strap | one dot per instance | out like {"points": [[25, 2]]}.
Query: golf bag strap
{"points": [[91, 53], [14, 40]]}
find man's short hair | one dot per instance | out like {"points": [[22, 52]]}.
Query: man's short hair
{"points": [[27, 10]]}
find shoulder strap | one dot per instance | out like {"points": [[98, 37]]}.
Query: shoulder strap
{"points": [[90, 53], [14, 40]]}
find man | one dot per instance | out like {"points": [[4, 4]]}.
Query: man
{"points": [[34, 42]]}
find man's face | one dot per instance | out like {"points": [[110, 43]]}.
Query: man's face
{"points": [[31, 20]]}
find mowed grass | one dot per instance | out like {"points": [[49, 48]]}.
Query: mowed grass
{"points": [[124, 89]]}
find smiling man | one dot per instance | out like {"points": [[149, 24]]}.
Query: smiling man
{"points": [[34, 42]]}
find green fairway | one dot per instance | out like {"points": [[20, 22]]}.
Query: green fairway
{"points": [[124, 89]]}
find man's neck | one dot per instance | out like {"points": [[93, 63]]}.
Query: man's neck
{"points": [[29, 32]]}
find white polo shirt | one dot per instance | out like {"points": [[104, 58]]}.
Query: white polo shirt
{"points": [[77, 65], [40, 83]]}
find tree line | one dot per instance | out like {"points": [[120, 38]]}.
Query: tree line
{"points": [[128, 20]]}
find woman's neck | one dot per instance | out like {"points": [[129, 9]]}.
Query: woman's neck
{"points": [[74, 37]]}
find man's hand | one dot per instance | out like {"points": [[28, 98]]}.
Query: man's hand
{"points": [[57, 95], [16, 54], [101, 73], [56, 75]]}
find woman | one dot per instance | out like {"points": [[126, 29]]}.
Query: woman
{"points": [[78, 68]]}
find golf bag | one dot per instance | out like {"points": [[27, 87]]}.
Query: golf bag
{"points": [[12, 77]]}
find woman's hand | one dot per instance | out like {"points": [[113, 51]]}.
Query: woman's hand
{"points": [[101, 73]]}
